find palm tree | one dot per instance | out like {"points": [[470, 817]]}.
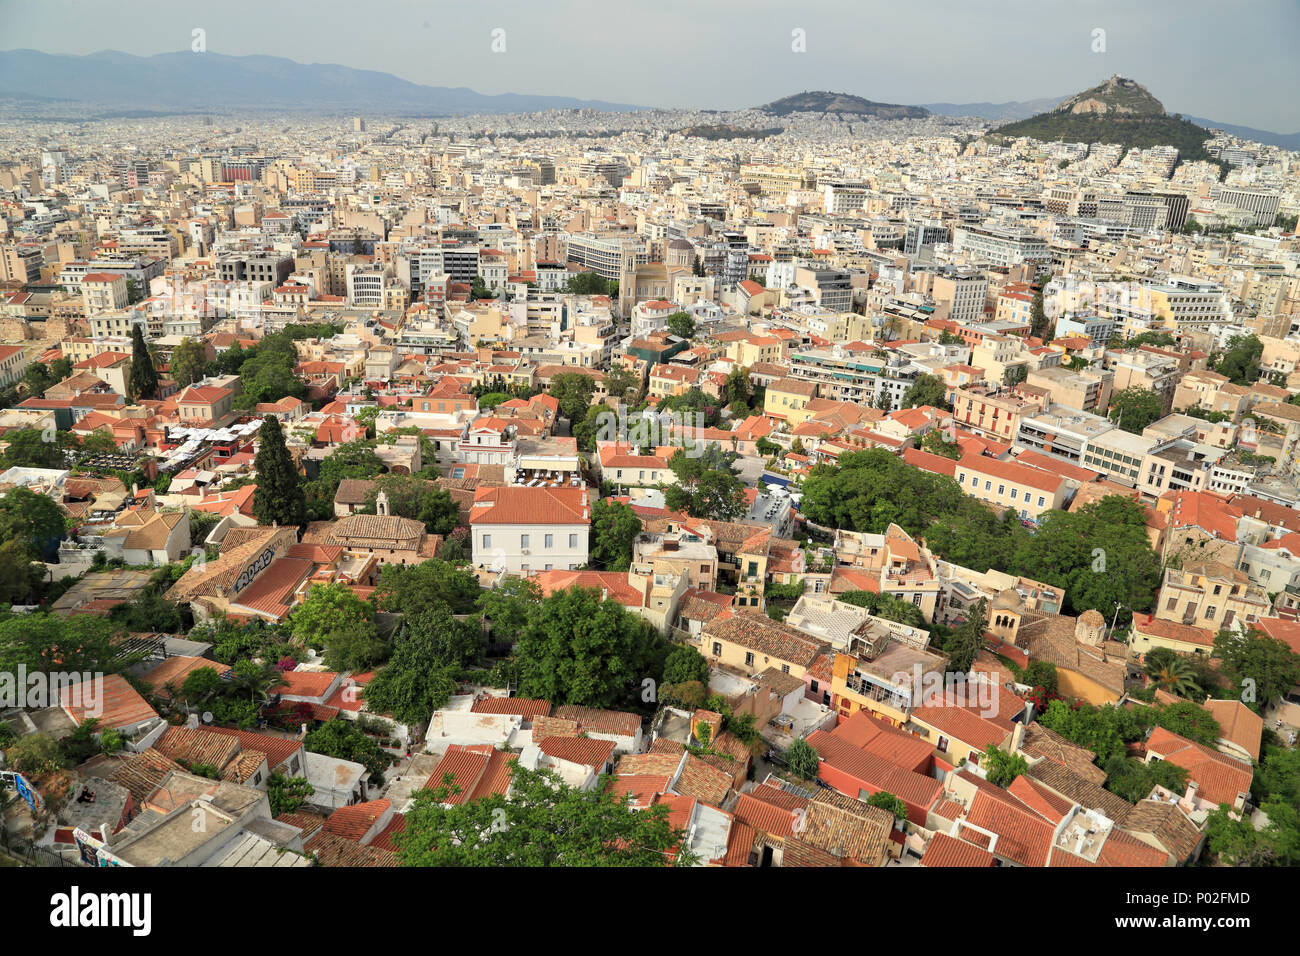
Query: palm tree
{"points": [[1172, 673], [257, 680]]}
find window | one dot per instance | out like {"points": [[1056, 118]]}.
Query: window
{"points": [[1210, 611], [523, 541], [573, 540], [749, 659], [717, 649], [1002, 489], [487, 540], [549, 540], [1013, 494], [813, 686], [943, 744], [1041, 501], [785, 668]]}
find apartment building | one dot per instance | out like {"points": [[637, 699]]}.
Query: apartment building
{"points": [[519, 529], [788, 400], [104, 292], [1187, 302], [964, 293], [1119, 454], [1087, 390], [1024, 489], [1211, 595], [991, 410], [999, 245]]}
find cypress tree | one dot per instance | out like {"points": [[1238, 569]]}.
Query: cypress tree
{"points": [[279, 498], [143, 379]]}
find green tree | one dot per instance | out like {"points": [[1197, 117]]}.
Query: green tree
{"points": [[345, 739], [927, 390], [681, 324], [936, 444], [412, 589], [578, 649], [621, 382], [37, 377], [684, 663], [1191, 721], [1100, 555], [1134, 408], [328, 608], [888, 802], [1171, 672], [1236, 842], [418, 498], [706, 485], [31, 448], [1039, 324], [452, 641], [968, 638], [287, 794], [32, 519], [49, 642], [1240, 361], [20, 574], [36, 753], [573, 391], [1259, 663], [188, 361], [737, 390], [541, 821], [507, 606], [279, 497], [142, 381], [421, 675], [802, 760], [614, 527], [1000, 767], [887, 607]]}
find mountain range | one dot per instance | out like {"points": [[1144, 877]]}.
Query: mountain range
{"points": [[121, 84], [214, 81]]}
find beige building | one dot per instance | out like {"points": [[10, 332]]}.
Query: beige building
{"points": [[1088, 390], [1024, 489], [1210, 595]]}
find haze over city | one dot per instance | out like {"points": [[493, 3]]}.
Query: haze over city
{"points": [[1204, 58]]}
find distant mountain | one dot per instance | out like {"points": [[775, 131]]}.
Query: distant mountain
{"points": [[822, 102], [1284, 140], [1118, 111], [997, 112], [213, 81]]}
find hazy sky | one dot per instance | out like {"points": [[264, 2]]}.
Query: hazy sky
{"points": [[1236, 61]]}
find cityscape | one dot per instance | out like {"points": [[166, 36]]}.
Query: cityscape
{"points": [[490, 472]]}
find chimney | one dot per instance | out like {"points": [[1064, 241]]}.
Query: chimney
{"points": [[1028, 718], [1191, 790], [1017, 737]]}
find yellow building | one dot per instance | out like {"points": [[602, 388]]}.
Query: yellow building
{"points": [[753, 642], [788, 400]]}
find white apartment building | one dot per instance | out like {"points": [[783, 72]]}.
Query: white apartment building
{"points": [[520, 529]]}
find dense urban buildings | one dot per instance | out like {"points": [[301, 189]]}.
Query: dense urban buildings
{"points": [[838, 489]]}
